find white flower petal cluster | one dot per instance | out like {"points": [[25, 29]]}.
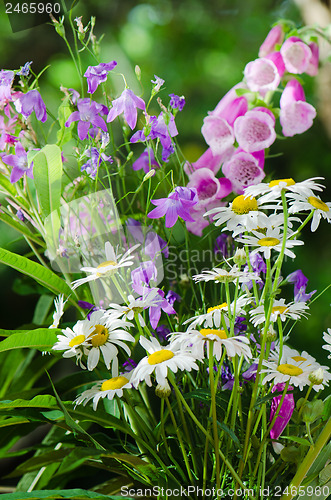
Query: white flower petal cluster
{"points": [[271, 240], [280, 310], [222, 275], [272, 191], [107, 388], [160, 359], [327, 339], [311, 203], [296, 372]]}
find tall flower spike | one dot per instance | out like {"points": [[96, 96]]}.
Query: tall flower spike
{"points": [[127, 103]]}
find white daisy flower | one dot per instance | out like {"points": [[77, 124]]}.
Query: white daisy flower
{"points": [[271, 240], [103, 336], [280, 310], [321, 209], [319, 377], [222, 276], [135, 306], [243, 212], [159, 360], [327, 339], [112, 263], [295, 372], [197, 339], [59, 304], [213, 316], [107, 388], [273, 221], [289, 354], [72, 341], [272, 191]]}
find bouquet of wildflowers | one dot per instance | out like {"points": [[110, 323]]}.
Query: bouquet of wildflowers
{"points": [[183, 383]]}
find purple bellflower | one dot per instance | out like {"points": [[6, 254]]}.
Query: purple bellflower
{"points": [[162, 332], [146, 161], [152, 243], [221, 245], [19, 162], [87, 117], [296, 115], [127, 103], [159, 304], [29, 102], [177, 204], [300, 283], [98, 74], [177, 102], [96, 158], [172, 297], [144, 276]]}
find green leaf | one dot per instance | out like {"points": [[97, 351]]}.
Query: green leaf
{"points": [[41, 274], [7, 422], [64, 134], [45, 401], [20, 227], [42, 339], [41, 311], [7, 185], [47, 173], [297, 440], [74, 494]]}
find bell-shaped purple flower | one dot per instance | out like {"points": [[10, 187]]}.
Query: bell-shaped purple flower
{"points": [[159, 304], [29, 102], [285, 412], [273, 38], [255, 130], [300, 284], [177, 204], [296, 115], [146, 161], [244, 169], [87, 117], [98, 74], [19, 162], [296, 55], [127, 103], [144, 276]]}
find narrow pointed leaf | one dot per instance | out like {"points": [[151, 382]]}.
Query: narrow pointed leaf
{"points": [[47, 173], [42, 339]]}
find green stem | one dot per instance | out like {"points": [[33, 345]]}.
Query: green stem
{"points": [[214, 414]]}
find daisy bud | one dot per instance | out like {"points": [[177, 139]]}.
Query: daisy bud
{"points": [[239, 257], [271, 334], [317, 376], [163, 390], [312, 411]]}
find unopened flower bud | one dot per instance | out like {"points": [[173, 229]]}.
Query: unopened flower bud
{"points": [[58, 25], [163, 391], [317, 376], [184, 280], [129, 156], [137, 70], [239, 257], [149, 175], [271, 334]]}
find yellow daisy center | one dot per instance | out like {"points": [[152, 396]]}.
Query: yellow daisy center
{"points": [[210, 331], [114, 383], [105, 264], [280, 309], [317, 203], [99, 336], [287, 369], [268, 242], [160, 356], [289, 182], [242, 205], [299, 358], [79, 339], [220, 306]]}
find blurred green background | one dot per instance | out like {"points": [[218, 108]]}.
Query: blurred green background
{"points": [[200, 49]]}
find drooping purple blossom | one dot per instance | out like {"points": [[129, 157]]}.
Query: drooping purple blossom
{"points": [[152, 243], [250, 373], [29, 102], [127, 104], [162, 332], [300, 284], [177, 102], [285, 412], [240, 325], [177, 204], [19, 162], [172, 297], [144, 276], [273, 38], [221, 245], [146, 161], [98, 74], [160, 304], [255, 130], [244, 169], [296, 115], [163, 128], [87, 305], [88, 115], [258, 266], [25, 69], [94, 162]]}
